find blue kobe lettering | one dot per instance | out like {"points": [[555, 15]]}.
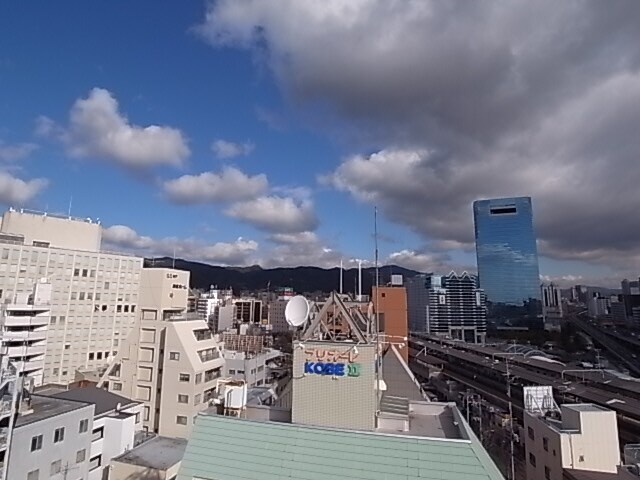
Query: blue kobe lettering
{"points": [[321, 368]]}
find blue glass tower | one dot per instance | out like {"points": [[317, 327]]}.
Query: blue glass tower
{"points": [[507, 257]]}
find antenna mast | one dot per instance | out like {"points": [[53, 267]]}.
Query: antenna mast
{"points": [[377, 300]]}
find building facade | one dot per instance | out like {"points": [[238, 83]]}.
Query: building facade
{"points": [[551, 306], [24, 320], [507, 258], [169, 362], [578, 437], [390, 302], [94, 294], [447, 305]]}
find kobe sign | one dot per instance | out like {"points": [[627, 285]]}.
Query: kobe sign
{"points": [[319, 361]]}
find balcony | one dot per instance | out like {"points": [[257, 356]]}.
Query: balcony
{"points": [[4, 438], [29, 365], [5, 407], [25, 320], [25, 350], [24, 335]]}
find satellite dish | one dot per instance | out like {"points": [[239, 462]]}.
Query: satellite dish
{"points": [[297, 311]]}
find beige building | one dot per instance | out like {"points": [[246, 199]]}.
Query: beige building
{"points": [[575, 436], [94, 296], [169, 362]]}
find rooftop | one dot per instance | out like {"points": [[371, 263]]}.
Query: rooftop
{"points": [[103, 400], [398, 378], [285, 451], [159, 453], [573, 474], [47, 407], [585, 407]]}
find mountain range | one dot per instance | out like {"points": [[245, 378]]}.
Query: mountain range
{"points": [[301, 279]]}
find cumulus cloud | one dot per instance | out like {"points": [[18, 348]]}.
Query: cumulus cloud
{"points": [[14, 152], [276, 214], [15, 191], [467, 101], [238, 252], [298, 249], [97, 128], [230, 184], [423, 261], [226, 149]]}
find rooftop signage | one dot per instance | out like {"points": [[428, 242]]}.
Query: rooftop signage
{"points": [[320, 361]]}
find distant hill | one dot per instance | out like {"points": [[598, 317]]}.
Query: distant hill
{"points": [[301, 279]]}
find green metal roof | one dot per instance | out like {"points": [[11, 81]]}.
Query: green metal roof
{"points": [[225, 448]]}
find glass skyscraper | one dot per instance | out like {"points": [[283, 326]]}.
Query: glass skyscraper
{"points": [[507, 257]]}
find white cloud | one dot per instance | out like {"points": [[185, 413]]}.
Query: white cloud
{"points": [[15, 191], [226, 149], [300, 249], [229, 185], [467, 100], [276, 214], [98, 129], [18, 151], [424, 262], [235, 253]]}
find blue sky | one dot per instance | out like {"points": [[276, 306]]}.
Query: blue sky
{"points": [[279, 125]]}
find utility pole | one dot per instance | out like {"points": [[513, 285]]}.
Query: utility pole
{"points": [[513, 466]]}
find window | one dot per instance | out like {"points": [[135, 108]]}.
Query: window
{"points": [[532, 459], [97, 434], [581, 458], [531, 434], [84, 272], [185, 377], [181, 420], [137, 417], [183, 398], [55, 467], [91, 355], [76, 272], [197, 399], [106, 285], [67, 346], [36, 443], [81, 296], [545, 444], [547, 473], [84, 426], [232, 371], [33, 475], [99, 355], [53, 318], [119, 308], [58, 435], [198, 378], [95, 462], [174, 355], [81, 456], [117, 387]]}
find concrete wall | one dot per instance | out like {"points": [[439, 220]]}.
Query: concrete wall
{"points": [[22, 460], [164, 289], [392, 306], [60, 232], [342, 401], [126, 471]]}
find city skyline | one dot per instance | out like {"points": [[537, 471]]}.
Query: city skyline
{"points": [[225, 133]]}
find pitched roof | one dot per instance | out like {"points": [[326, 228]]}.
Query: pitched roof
{"points": [[103, 400], [287, 451]]}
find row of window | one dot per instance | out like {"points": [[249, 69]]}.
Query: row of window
{"points": [[58, 435], [61, 257]]}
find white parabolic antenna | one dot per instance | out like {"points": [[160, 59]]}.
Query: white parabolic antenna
{"points": [[297, 311]]}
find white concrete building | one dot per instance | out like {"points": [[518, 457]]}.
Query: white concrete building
{"points": [[51, 439], [117, 425], [156, 459], [277, 320], [24, 320], [575, 436], [252, 368], [210, 303], [94, 297], [168, 362]]}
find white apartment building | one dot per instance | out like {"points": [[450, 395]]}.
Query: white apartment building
{"points": [[575, 436], [94, 296], [168, 362], [209, 304], [23, 336], [252, 368]]}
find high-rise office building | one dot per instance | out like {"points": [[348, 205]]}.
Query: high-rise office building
{"points": [[447, 305], [94, 293], [507, 258], [551, 306]]}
